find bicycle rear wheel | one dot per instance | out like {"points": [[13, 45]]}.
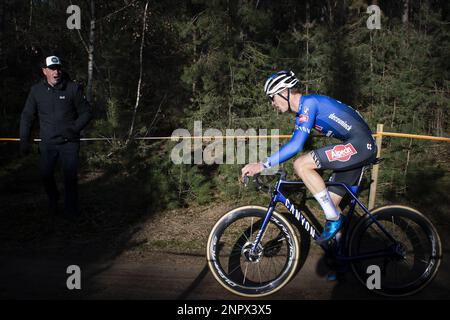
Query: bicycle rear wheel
{"points": [[246, 273], [406, 265]]}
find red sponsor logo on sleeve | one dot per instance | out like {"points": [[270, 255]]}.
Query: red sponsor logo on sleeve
{"points": [[303, 118], [341, 152]]}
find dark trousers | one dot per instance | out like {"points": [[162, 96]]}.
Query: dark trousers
{"points": [[68, 153]]}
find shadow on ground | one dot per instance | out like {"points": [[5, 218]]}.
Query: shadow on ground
{"points": [[114, 205]]}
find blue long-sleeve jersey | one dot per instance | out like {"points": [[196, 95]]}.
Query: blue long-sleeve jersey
{"points": [[326, 115]]}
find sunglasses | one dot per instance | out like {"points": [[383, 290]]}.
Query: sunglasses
{"points": [[272, 96]]}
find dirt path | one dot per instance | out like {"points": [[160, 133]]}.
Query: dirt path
{"points": [[171, 276], [160, 257]]}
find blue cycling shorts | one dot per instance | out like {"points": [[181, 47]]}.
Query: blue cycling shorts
{"points": [[346, 159]]}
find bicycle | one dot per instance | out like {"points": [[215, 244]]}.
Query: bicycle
{"points": [[254, 251]]}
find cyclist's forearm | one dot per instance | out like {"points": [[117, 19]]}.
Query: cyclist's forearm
{"points": [[290, 149]]}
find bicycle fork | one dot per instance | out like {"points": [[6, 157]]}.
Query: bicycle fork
{"points": [[263, 226]]}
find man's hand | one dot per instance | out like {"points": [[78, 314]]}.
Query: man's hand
{"points": [[251, 169], [25, 148]]}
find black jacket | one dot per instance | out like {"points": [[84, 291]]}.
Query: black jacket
{"points": [[62, 109]]}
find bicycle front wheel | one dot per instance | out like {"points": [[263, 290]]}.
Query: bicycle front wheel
{"points": [[247, 273], [407, 264]]}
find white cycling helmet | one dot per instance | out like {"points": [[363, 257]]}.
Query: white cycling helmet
{"points": [[279, 81]]}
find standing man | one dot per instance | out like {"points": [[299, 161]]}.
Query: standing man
{"points": [[63, 112]]}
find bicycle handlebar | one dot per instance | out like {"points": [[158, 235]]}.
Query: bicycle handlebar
{"points": [[261, 185]]}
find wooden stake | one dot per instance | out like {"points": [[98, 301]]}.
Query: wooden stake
{"points": [[373, 185]]}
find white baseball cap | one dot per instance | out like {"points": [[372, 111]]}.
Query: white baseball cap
{"points": [[52, 61]]}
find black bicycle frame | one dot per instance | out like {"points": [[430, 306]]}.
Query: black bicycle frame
{"points": [[279, 197]]}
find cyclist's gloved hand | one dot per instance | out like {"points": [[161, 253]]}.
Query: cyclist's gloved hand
{"points": [[25, 148], [251, 169]]}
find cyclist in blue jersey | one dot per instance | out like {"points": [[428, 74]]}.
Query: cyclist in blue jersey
{"points": [[333, 119]]}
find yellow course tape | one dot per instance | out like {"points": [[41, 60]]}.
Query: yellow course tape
{"points": [[412, 136], [389, 134]]}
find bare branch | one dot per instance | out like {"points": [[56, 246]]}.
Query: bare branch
{"points": [[138, 93], [117, 11]]}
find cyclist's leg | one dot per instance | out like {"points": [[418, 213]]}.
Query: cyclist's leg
{"points": [[349, 155], [305, 166], [346, 160], [349, 177], [336, 198]]}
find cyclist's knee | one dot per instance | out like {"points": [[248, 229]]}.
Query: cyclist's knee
{"points": [[303, 164], [298, 166]]}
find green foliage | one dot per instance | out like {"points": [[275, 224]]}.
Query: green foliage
{"points": [[208, 60], [112, 113]]}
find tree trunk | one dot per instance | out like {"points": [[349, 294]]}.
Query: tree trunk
{"points": [[194, 54], [2, 21], [342, 11], [138, 93], [231, 98], [2, 50], [393, 115], [91, 54], [31, 13], [330, 12], [405, 14], [308, 12], [194, 40]]}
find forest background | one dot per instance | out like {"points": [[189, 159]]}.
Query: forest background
{"points": [[151, 67]]}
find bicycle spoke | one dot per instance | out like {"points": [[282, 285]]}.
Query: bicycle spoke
{"points": [[236, 268], [269, 268], [392, 227], [259, 273], [246, 238], [405, 261], [245, 272], [236, 252]]}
